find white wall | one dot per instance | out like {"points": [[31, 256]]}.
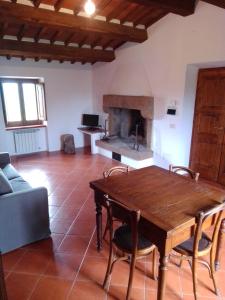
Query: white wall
{"points": [[165, 67], [68, 95]]}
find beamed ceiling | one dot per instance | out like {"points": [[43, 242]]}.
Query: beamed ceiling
{"points": [[60, 30]]}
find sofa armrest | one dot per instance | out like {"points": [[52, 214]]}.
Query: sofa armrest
{"points": [[39, 192], [4, 159], [24, 218], [18, 204]]}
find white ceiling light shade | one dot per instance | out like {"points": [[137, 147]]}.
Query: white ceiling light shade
{"points": [[89, 7]]}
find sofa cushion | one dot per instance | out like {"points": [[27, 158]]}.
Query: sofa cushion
{"points": [[19, 184], [10, 172], [5, 186]]}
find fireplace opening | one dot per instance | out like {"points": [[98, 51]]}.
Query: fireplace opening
{"points": [[128, 125], [137, 124]]}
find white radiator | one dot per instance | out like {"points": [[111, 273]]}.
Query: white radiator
{"points": [[26, 140]]}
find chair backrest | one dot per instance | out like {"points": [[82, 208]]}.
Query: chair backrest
{"points": [[184, 171], [216, 214], [115, 170], [126, 215]]}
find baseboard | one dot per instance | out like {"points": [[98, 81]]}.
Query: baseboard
{"points": [[85, 150]]}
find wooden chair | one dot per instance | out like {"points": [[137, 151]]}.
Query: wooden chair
{"points": [[184, 171], [201, 244], [220, 243], [113, 171], [127, 239]]}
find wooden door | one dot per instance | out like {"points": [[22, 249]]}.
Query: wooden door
{"points": [[208, 150]]}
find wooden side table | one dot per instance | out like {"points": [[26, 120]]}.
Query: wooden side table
{"points": [[94, 136]]}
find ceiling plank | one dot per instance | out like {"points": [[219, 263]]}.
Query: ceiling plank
{"points": [[180, 7], [220, 3], [55, 52], [113, 15], [103, 4], [10, 12], [21, 32], [138, 19], [133, 14]]}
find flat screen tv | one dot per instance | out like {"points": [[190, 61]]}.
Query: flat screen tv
{"points": [[90, 120]]}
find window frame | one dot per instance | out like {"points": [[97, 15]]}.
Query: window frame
{"points": [[23, 122]]}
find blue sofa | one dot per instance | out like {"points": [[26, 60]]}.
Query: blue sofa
{"points": [[24, 214]]}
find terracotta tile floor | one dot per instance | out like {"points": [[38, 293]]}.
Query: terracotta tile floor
{"points": [[67, 266]]}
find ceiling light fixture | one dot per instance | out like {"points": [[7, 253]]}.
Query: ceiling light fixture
{"points": [[89, 7]]}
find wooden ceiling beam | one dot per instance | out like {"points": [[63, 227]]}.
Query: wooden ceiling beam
{"points": [[180, 7], [21, 32], [54, 36], [3, 27], [36, 3], [68, 40], [38, 34], [58, 4], [55, 52], [82, 42], [96, 42], [107, 44], [10, 12]]}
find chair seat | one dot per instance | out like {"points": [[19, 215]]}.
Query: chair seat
{"points": [[123, 239], [187, 246]]}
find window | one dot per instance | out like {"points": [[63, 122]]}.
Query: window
{"points": [[23, 102]]}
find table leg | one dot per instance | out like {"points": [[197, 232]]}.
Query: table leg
{"points": [[163, 262], [98, 224], [219, 245]]}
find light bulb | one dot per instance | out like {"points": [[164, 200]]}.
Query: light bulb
{"points": [[89, 7]]}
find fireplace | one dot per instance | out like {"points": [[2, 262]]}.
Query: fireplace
{"points": [[129, 125]]}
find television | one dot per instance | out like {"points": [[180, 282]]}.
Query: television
{"points": [[90, 120]]}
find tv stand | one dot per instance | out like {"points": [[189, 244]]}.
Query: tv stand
{"points": [[95, 134]]}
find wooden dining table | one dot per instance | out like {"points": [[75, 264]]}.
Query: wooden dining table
{"points": [[168, 203]]}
